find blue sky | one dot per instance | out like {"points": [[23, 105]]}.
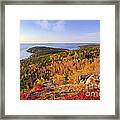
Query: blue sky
{"points": [[52, 31]]}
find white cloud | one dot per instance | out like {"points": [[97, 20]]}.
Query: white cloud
{"points": [[90, 37], [43, 24], [58, 26]]}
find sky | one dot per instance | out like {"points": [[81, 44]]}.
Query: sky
{"points": [[59, 31]]}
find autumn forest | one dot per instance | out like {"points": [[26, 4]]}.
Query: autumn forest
{"points": [[61, 74]]}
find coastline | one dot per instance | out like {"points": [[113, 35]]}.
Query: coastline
{"points": [[25, 46]]}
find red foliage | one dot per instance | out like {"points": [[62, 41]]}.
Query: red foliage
{"points": [[23, 96]]}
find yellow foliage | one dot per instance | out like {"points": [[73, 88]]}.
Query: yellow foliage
{"points": [[38, 81], [58, 78]]}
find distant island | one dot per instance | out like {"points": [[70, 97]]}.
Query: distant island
{"points": [[90, 45], [42, 50]]}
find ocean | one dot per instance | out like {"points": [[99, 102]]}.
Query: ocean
{"points": [[70, 46]]}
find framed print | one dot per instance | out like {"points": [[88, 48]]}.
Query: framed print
{"points": [[60, 60]]}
